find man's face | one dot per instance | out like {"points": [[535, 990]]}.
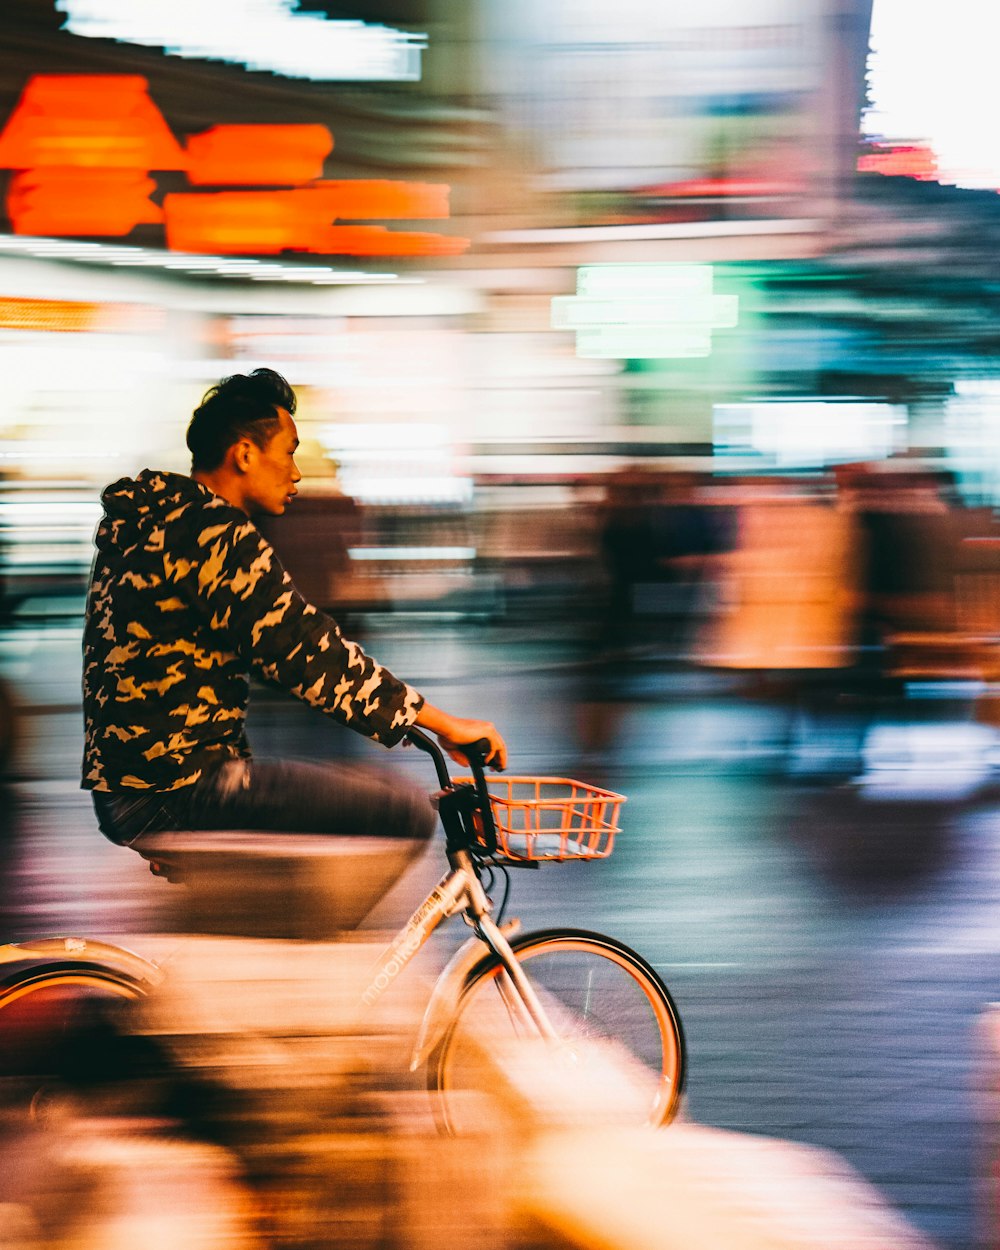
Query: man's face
{"points": [[271, 473]]}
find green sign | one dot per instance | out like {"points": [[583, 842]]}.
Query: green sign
{"points": [[655, 311]]}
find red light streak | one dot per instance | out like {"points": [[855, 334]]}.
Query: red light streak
{"points": [[908, 162]]}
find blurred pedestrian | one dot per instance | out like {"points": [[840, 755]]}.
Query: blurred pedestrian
{"points": [[787, 611], [659, 543]]}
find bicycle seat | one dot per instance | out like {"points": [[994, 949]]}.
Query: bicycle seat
{"points": [[250, 883]]}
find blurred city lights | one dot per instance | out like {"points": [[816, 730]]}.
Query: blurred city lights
{"points": [[260, 34], [396, 462]]}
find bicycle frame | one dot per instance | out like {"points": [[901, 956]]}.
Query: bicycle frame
{"points": [[459, 890], [450, 895]]}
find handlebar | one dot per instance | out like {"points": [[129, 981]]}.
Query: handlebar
{"points": [[475, 753]]}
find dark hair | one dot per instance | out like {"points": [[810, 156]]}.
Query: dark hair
{"points": [[242, 406]]}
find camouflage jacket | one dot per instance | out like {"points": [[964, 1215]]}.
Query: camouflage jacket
{"points": [[185, 597]]}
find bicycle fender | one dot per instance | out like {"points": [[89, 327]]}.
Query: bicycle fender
{"points": [[46, 950], [447, 991]]}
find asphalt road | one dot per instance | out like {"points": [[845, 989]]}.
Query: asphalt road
{"points": [[831, 941]]}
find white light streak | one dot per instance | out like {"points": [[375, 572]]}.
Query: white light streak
{"points": [[388, 489], [665, 230], [400, 436], [790, 432], [412, 553], [194, 264], [260, 34]]}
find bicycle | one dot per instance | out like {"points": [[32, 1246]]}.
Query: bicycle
{"points": [[561, 985]]}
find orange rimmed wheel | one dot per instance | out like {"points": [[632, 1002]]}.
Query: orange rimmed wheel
{"points": [[608, 1006], [55, 1017]]}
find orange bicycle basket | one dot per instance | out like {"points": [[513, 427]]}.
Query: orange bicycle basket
{"points": [[553, 818]]}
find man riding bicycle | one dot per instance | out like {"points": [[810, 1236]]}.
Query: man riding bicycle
{"points": [[186, 597]]}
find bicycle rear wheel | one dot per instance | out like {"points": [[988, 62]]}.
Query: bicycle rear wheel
{"points": [[599, 995], [56, 1019]]}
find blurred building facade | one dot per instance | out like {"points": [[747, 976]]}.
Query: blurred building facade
{"points": [[438, 389]]}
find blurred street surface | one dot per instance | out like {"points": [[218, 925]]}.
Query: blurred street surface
{"points": [[816, 884]]}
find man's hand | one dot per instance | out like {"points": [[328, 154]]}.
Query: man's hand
{"points": [[473, 731], [454, 732]]}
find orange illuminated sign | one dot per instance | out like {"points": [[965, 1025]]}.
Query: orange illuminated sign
{"points": [[68, 316], [84, 148], [269, 222], [286, 156], [95, 121], [379, 199], [81, 201]]}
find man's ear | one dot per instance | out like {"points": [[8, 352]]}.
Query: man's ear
{"points": [[243, 455]]}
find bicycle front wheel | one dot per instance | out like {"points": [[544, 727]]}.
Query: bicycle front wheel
{"points": [[596, 992]]}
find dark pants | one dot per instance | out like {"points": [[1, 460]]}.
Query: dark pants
{"points": [[275, 796]]}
